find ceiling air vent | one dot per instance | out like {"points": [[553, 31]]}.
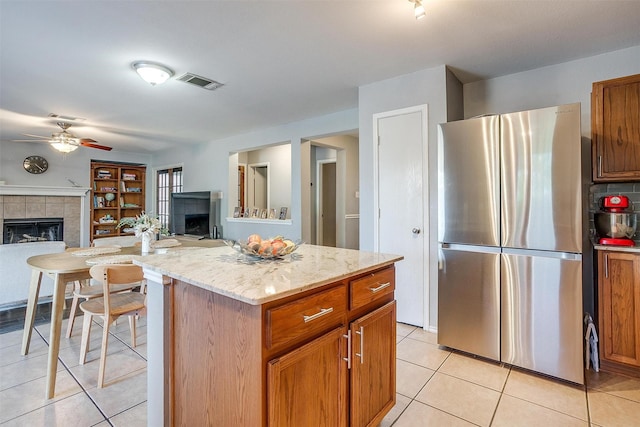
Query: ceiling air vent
{"points": [[200, 81]]}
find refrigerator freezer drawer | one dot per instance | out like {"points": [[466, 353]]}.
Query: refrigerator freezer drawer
{"points": [[469, 302], [542, 315]]}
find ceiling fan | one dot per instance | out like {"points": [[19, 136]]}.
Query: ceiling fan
{"points": [[65, 141]]}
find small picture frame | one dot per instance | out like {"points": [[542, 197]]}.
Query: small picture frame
{"points": [[283, 213], [246, 213], [272, 214], [237, 211], [255, 212], [263, 214]]}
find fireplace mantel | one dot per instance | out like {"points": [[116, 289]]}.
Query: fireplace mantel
{"points": [[32, 190]]}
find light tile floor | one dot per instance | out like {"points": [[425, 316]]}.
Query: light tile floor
{"points": [[435, 387]]}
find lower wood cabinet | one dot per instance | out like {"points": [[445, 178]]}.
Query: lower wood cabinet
{"points": [[308, 386], [325, 357], [619, 311], [372, 382]]}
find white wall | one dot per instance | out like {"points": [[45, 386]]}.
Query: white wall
{"points": [[279, 159], [422, 87], [564, 83], [206, 166]]}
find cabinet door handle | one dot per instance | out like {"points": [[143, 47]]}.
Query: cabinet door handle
{"points": [[606, 266], [381, 287], [322, 312], [348, 358], [361, 354]]}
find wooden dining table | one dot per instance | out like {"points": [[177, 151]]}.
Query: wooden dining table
{"points": [[65, 267]]}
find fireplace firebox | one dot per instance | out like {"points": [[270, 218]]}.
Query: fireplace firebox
{"points": [[32, 230]]}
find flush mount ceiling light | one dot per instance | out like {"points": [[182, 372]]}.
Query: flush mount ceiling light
{"points": [[152, 73], [418, 9]]}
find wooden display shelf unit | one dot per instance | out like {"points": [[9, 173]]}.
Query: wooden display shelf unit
{"points": [[117, 191]]}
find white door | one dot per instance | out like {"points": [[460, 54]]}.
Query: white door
{"points": [[401, 199]]}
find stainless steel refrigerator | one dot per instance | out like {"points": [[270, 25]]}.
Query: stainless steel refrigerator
{"points": [[510, 232]]}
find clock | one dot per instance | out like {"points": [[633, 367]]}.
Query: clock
{"points": [[35, 164]]}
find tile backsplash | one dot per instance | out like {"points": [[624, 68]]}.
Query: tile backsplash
{"points": [[597, 191]]}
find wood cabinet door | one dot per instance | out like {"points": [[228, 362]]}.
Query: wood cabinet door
{"points": [[616, 129], [619, 306], [373, 372], [308, 386]]}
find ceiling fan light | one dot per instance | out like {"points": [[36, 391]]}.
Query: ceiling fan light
{"points": [[63, 142], [63, 146], [152, 73]]}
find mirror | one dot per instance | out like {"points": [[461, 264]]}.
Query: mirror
{"points": [[260, 181]]}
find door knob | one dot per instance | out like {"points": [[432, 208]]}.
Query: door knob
{"points": [[416, 231]]}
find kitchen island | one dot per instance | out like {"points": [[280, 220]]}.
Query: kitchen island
{"points": [[306, 340]]}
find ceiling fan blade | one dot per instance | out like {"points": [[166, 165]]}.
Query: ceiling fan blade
{"points": [[36, 136], [86, 143], [27, 140], [86, 140]]}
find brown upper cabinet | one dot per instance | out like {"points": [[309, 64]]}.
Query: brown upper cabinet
{"points": [[615, 129]]}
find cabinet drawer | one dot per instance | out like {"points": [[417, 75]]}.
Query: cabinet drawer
{"points": [[305, 317], [369, 288]]}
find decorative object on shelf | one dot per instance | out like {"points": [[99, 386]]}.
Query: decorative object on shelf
{"points": [[107, 219], [273, 248], [144, 226], [109, 197], [283, 213]]}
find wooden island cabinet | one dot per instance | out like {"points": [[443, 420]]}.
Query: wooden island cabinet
{"points": [[304, 341], [615, 129], [619, 311]]}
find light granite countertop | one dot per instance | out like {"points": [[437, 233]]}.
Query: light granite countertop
{"points": [[616, 248], [224, 271]]}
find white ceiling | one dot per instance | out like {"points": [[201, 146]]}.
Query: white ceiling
{"points": [[280, 61]]}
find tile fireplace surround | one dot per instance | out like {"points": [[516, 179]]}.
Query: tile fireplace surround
{"points": [[20, 202]]}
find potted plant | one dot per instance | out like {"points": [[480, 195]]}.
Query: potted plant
{"points": [[144, 226]]}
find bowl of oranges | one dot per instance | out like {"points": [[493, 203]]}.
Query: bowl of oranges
{"points": [[256, 246]]}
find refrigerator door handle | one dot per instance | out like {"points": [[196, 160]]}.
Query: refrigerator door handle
{"points": [[569, 256]]}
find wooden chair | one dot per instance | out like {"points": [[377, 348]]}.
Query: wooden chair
{"points": [[82, 290], [110, 306]]}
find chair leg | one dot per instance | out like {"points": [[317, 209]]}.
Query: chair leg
{"points": [[103, 354], [72, 315], [86, 332], [132, 327]]}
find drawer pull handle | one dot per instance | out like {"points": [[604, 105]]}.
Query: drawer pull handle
{"points": [[322, 312], [381, 287]]}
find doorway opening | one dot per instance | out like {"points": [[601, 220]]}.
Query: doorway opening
{"points": [[330, 201], [326, 203], [258, 191]]}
